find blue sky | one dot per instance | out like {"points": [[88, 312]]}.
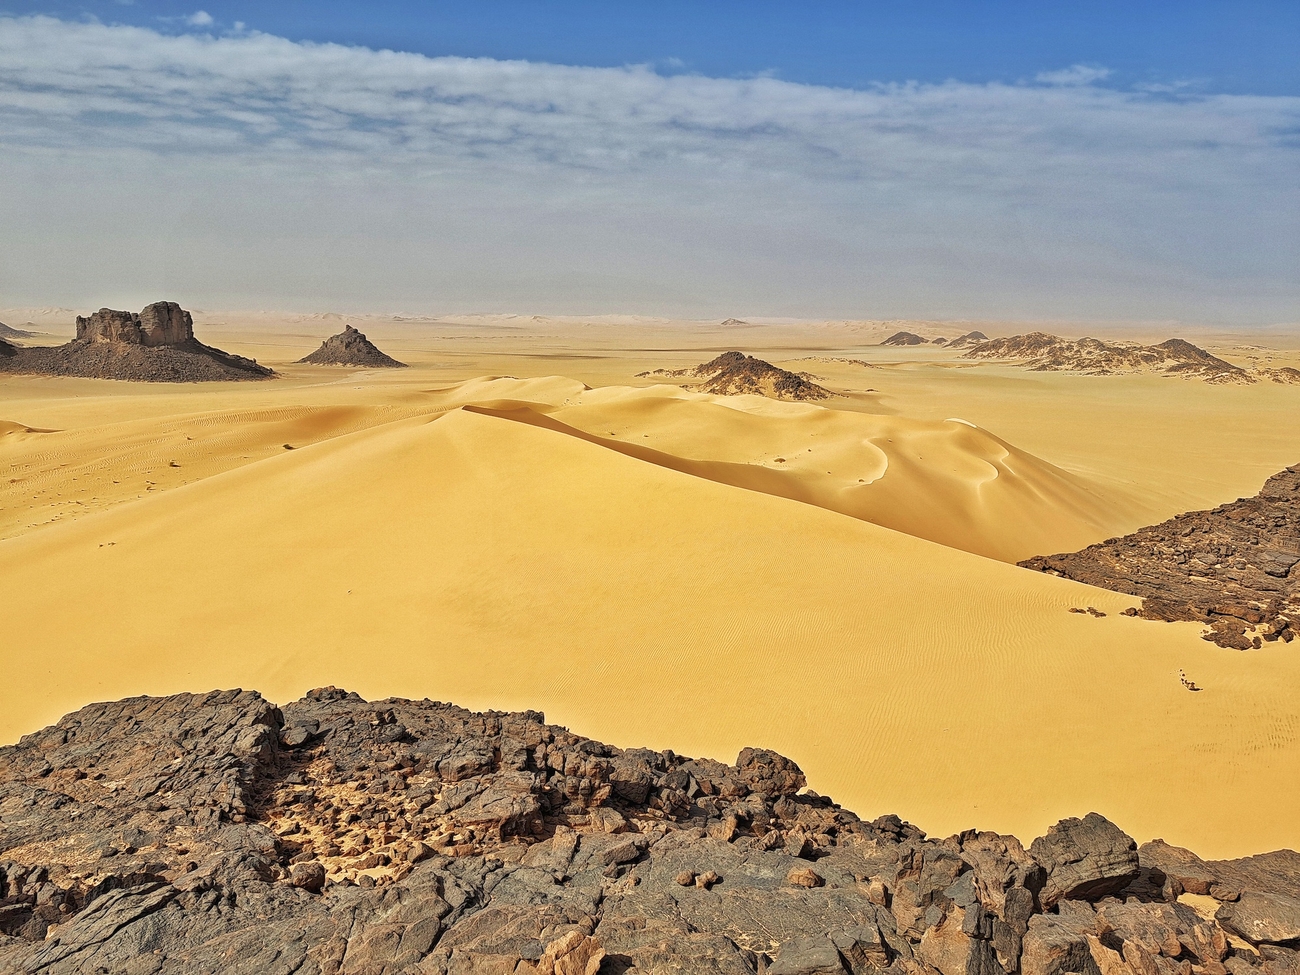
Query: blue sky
{"points": [[997, 160], [1240, 46]]}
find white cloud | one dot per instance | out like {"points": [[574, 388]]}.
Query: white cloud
{"points": [[1076, 74], [324, 174], [200, 18]]}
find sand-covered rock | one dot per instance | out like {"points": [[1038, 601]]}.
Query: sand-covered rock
{"points": [[1232, 568], [218, 832], [155, 345], [351, 348], [967, 340], [1044, 352], [735, 374]]}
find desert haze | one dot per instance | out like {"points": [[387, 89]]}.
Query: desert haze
{"points": [[558, 514]]}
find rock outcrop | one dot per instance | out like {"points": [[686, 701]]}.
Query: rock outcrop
{"points": [[7, 332], [1044, 352], [351, 348], [220, 833], [734, 374], [1235, 568], [904, 338], [156, 345], [967, 340]]}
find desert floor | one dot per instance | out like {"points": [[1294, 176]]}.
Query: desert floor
{"points": [[518, 521]]}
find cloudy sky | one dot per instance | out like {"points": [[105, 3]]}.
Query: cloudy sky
{"points": [[417, 161]]}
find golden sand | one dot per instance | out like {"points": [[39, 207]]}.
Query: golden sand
{"points": [[658, 567]]}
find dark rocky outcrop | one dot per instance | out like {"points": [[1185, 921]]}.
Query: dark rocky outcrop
{"points": [[219, 833], [969, 339], [1044, 352], [904, 338], [156, 345], [734, 374], [1233, 568], [350, 348], [7, 350]]}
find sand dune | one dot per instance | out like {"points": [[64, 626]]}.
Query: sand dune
{"points": [[465, 556]]}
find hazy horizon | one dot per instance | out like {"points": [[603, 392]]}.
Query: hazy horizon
{"points": [[228, 168]]}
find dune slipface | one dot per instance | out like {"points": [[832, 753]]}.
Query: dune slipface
{"points": [[468, 556], [218, 832]]}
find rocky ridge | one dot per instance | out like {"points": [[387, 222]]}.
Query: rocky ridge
{"points": [[8, 332], [155, 345], [351, 348], [1235, 568], [967, 340], [1043, 352], [734, 374], [904, 338], [220, 833]]}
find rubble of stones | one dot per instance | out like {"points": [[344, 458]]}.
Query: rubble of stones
{"points": [[220, 833], [1233, 568], [734, 374], [351, 348], [1043, 352], [155, 345]]}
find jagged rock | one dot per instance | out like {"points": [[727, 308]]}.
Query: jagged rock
{"points": [[156, 345], [351, 348], [904, 338], [1084, 859], [220, 833], [1232, 568], [1193, 874]]}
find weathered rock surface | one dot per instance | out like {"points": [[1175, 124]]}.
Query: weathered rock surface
{"points": [[1044, 352], [904, 338], [734, 374], [156, 345], [220, 833], [1233, 568], [351, 348]]}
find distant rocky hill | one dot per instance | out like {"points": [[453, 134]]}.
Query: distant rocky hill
{"points": [[156, 345], [969, 339], [7, 332], [351, 348], [1044, 352], [219, 833], [734, 373], [1235, 568], [904, 338]]}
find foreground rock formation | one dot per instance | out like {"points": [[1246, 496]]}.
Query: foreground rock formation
{"points": [[351, 348], [219, 833], [734, 374], [1044, 352], [1233, 568], [156, 345]]}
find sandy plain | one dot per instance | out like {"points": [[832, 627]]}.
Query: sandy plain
{"points": [[520, 521]]}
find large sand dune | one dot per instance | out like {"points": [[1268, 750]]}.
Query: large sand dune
{"points": [[464, 555]]}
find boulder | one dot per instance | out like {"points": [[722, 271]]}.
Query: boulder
{"points": [[1263, 918], [1084, 859], [808, 956]]}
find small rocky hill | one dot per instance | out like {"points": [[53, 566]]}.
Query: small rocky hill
{"points": [[1235, 568], [334, 836], [734, 374], [969, 339], [1044, 352], [155, 345], [904, 338], [350, 348]]}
